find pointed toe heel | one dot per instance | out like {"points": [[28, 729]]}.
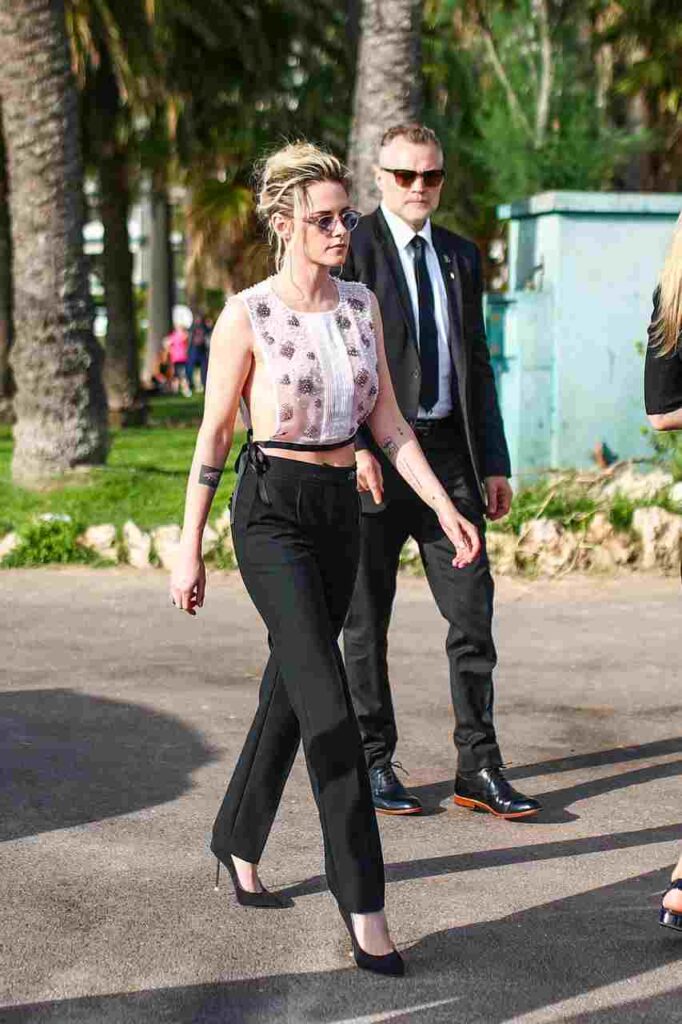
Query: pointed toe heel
{"points": [[392, 964], [670, 918], [264, 900]]}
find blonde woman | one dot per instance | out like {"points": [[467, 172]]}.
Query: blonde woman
{"points": [[663, 398], [304, 353]]}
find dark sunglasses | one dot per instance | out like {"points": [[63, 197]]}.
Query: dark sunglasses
{"points": [[406, 178], [349, 221]]}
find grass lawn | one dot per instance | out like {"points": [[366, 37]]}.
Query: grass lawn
{"points": [[144, 478]]}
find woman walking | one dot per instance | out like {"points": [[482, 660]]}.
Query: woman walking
{"points": [[663, 400], [305, 355]]}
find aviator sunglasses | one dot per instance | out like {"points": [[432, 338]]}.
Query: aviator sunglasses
{"points": [[349, 221], [404, 178]]}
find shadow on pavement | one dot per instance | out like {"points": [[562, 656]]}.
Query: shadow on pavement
{"points": [[68, 758], [555, 802], [431, 867], [665, 1007], [598, 758], [483, 973]]}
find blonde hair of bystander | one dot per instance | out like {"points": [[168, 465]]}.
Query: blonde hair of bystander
{"points": [[666, 329]]}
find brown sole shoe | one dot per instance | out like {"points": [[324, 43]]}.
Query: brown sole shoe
{"points": [[408, 810], [476, 805]]}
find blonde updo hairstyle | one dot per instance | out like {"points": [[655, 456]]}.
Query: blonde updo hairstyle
{"points": [[283, 181], [666, 330]]}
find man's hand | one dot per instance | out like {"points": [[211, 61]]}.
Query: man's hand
{"points": [[370, 477], [499, 492]]}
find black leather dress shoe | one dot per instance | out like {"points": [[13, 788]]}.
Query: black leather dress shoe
{"points": [[388, 793], [488, 790]]}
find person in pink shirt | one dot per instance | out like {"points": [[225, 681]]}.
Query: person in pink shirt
{"points": [[177, 346]]}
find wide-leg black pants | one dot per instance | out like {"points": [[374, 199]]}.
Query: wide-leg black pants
{"points": [[464, 598], [296, 538]]}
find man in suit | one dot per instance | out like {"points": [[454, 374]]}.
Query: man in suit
{"points": [[429, 286]]}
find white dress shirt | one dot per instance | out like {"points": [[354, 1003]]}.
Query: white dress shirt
{"points": [[402, 236]]}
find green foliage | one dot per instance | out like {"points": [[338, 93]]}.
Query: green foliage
{"points": [[667, 446], [144, 480], [221, 558], [43, 543], [485, 63], [621, 511], [573, 505], [570, 505]]}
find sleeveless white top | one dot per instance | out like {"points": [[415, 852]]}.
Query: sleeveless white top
{"points": [[322, 366]]}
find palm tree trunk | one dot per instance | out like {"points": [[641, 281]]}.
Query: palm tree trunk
{"points": [[160, 287], [121, 363], [5, 290], [387, 85], [60, 402]]}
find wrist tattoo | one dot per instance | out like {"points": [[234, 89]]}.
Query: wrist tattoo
{"points": [[210, 477]]}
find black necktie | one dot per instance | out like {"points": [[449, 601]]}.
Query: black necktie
{"points": [[428, 332]]}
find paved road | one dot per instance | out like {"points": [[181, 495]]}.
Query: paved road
{"points": [[120, 721]]}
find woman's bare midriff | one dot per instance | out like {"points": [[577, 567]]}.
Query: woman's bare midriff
{"points": [[343, 457]]}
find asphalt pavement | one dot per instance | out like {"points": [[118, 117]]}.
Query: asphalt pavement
{"points": [[120, 720]]}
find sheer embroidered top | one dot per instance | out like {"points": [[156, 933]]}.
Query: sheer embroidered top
{"points": [[322, 366]]}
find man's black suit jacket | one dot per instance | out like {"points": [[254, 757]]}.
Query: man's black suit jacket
{"points": [[374, 260]]}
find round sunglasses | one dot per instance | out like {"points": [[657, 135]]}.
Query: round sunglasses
{"points": [[349, 221], [405, 178]]}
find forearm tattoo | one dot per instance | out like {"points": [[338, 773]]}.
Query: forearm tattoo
{"points": [[210, 476], [389, 448], [391, 451]]}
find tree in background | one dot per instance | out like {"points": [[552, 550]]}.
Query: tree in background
{"points": [[387, 85], [292, 80], [525, 95], [643, 40], [6, 325], [113, 58], [60, 402]]}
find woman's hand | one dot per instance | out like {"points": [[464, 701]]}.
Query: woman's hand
{"points": [[463, 534], [370, 477], [188, 582]]}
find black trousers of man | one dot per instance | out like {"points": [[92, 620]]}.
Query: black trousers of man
{"points": [[464, 598]]}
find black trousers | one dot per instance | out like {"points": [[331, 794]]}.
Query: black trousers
{"points": [[296, 538], [464, 598]]}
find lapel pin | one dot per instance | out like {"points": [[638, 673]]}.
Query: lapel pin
{"points": [[452, 275]]}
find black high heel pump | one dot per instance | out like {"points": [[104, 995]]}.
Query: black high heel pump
{"points": [[264, 899], [392, 963], [668, 918]]}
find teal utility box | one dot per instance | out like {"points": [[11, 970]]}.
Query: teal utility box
{"points": [[567, 338]]}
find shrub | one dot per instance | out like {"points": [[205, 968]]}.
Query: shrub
{"points": [[621, 511], [44, 542], [222, 557], [667, 446], [571, 506]]}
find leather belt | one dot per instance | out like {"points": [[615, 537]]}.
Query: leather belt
{"points": [[429, 427]]}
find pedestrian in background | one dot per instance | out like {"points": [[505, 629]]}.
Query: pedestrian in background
{"points": [[663, 401], [197, 357], [177, 346]]}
